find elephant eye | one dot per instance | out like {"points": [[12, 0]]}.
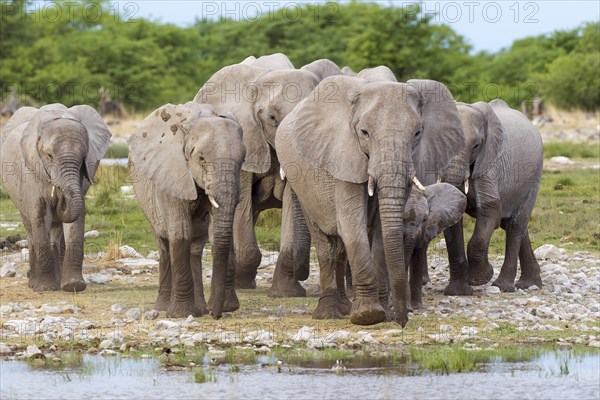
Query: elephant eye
{"points": [[364, 133], [201, 157], [418, 134]]}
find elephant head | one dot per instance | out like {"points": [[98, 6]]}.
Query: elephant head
{"points": [[188, 151], [361, 131], [323, 68], [271, 61], [259, 99], [64, 147], [485, 139]]}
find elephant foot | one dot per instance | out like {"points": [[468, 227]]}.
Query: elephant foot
{"points": [[505, 285], [245, 281], [284, 286], [416, 304], [182, 309], [480, 273], [345, 305], [231, 301], [458, 287], [526, 282], [73, 285], [163, 301], [200, 304], [367, 311], [329, 308], [44, 283], [425, 278]]}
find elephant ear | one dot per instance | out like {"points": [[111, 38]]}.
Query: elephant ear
{"points": [[17, 122], [446, 207], [98, 136], [494, 142], [319, 129], [274, 61], [323, 68], [442, 136], [156, 149], [233, 89], [379, 73]]}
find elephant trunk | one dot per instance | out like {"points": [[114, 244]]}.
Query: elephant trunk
{"points": [[457, 171], [226, 195], [301, 253], [69, 204]]}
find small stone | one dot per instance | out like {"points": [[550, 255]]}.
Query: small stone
{"points": [[8, 270], [128, 251], [151, 315], [441, 245], [469, 330], [594, 343], [91, 234], [100, 279], [134, 314], [32, 351], [92, 350], [4, 349], [107, 344], [562, 160], [108, 353], [550, 252], [153, 255], [166, 324], [22, 244], [117, 308], [492, 289]]}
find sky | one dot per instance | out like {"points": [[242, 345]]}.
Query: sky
{"points": [[487, 25]]}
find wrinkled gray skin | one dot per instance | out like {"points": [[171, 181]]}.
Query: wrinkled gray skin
{"points": [[328, 146], [180, 157], [380, 73], [505, 155], [426, 215], [49, 157], [322, 68], [264, 99]]}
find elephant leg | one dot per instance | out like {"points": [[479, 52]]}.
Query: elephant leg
{"points": [[349, 287], [329, 306], [352, 228], [31, 274], [340, 275], [247, 252], [57, 239], [231, 300], [506, 279], [480, 269], [182, 292], [199, 239], [459, 267], [530, 269], [425, 279], [164, 275], [44, 274], [71, 271], [285, 283]]}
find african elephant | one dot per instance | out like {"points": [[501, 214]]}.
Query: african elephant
{"points": [[379, 73], [185, 161], [260, 99], [270, 61], [323, 68], [504, 153], [348, 71], [49, 158], [357, 138]]}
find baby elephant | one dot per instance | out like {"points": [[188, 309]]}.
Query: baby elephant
{"points": [[185, 163], [428, 212], [49, 158]]}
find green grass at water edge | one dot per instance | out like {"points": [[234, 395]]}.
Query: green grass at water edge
{"points": [[117, 151]]}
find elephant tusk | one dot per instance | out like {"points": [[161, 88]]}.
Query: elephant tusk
{"points": [[371, 186], [52, 192], [418, 184], [213, 202], [466, 186], [282, 173]]}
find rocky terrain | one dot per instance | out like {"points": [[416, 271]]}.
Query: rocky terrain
{"points": [[565, 310]]}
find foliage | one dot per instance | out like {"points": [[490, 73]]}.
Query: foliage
{"points": [[147, 63]]}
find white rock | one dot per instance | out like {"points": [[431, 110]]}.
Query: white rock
{"points": [[166, 324], [151, 315], [594, 343], [128, 251], [24, 254], [91, 234], [138, 262], [115, 336], [492, 289], [8, 270], [117, 308], [32, 350], [469, 330], [108, 353], [4, 349], [126, 190], [550, 252], [304, 334], [441, 245], [22, 244], [51, 309], [100, 279], [133, 313], [153, 255], [562, 160]]}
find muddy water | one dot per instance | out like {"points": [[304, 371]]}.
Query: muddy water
{"points": [[555, 375]]}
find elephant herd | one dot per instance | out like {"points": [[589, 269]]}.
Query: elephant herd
{"points": [[366, 169]]}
